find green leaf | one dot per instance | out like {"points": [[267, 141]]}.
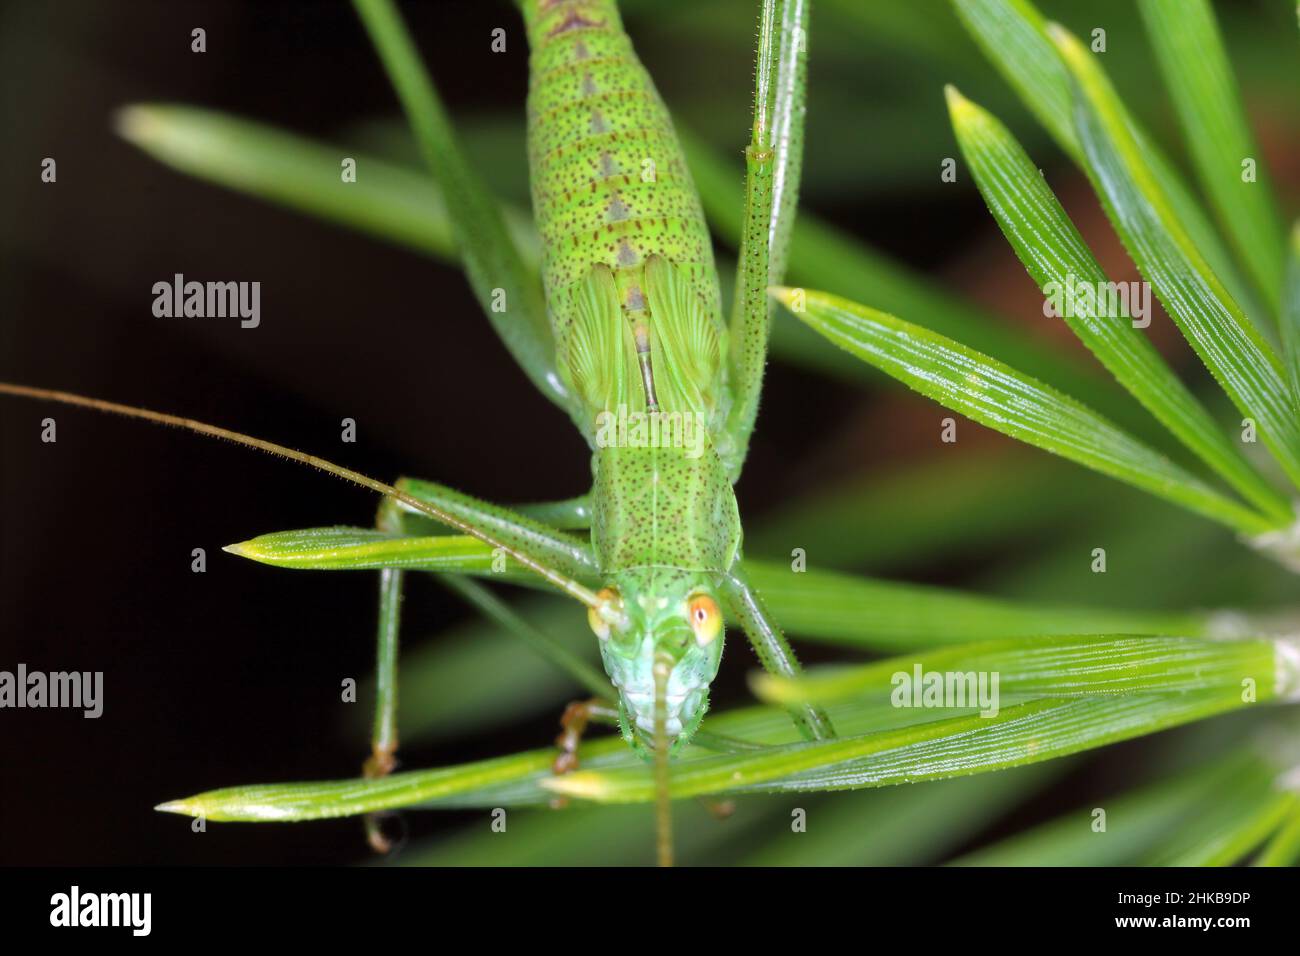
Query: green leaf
{"points": [[590, 678], [387, 201], [822, 256], [474, 677], [1199, 77], [1057, 257], [869, 613], [343, 548], [883, 827], [1137, 821], [1230, 830], [490, 257], [1283, 849], [1291, 314], [1064, 666], [321, 800], [1004, 399], [918, 511], [588, 835], [819, 605], [958, 746], [899, 826], [1014, 36], [882, 748], [1140, 535], [1139, 207]]}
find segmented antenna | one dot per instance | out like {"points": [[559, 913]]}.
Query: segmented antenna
{"points": [[567, 585], [663, 805]]}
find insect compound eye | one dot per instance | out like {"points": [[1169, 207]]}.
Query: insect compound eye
{"points": [[706, 620], [599, 625]]}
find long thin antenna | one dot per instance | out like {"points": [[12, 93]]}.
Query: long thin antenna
{"points": [[663, 804], [567, 585]]}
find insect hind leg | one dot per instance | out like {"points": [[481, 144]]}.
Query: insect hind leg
{"points": [[383, 737], [573, 724]]}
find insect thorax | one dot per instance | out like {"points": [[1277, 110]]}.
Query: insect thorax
{"points": [[660, 507]]}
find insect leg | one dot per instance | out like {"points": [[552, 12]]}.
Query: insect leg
{"points": [[773, 163], [571, 514], [575, 512], [579, 713], [573, 724], [383, 739], [519, 526], [773, 650], [535, 536]]}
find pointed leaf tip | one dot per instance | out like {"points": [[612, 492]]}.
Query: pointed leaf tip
{"points": [[781, 293], [955, 99], [1066, 42], [769, 688], [181, 807], [584, 783], [136, 123]]}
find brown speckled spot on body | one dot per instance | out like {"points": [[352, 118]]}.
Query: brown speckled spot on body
{"points": [[573, 20]]}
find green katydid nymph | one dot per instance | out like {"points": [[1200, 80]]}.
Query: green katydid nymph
{"points": [[636, 332], [635, 310]]}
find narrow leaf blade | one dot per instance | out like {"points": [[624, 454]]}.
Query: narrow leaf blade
{"points": [[1020, 734], [1060, 262], [1010, 402], [1190, 52], [1139, 207], [1065, 666], [1015, 38]]}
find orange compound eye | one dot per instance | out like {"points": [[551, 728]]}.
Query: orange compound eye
{"points": [[705, 618], [600, 626]]}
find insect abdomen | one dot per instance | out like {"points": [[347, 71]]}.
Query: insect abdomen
{"points": [[609, 182], [610, 186]]}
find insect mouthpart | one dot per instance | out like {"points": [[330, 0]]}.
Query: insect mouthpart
{"points": [[685, 700], [641, 707], [609, 613]]}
